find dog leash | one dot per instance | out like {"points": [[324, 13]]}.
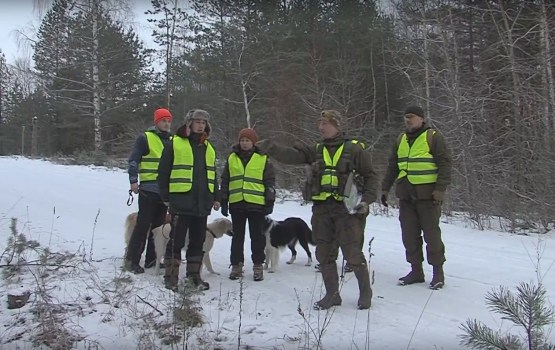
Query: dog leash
{"points": [[130, 199]]}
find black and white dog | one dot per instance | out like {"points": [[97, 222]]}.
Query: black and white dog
{"points": [[280, 234]]}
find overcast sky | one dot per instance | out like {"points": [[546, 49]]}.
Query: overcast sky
{"points": [[18, 15]]}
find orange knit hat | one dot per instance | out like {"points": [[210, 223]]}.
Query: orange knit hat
{"points": [[162, 113]]}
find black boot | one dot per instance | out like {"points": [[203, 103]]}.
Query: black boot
{"points": [[133, 267], [416, 275], [438, 280]]}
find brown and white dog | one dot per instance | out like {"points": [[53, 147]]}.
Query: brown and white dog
{"points": [[214, 230]]}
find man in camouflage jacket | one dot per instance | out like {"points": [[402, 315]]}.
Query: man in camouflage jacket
{"points": [[331, 161]]}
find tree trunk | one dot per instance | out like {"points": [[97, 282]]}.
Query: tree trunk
{"points": [[169, 55], [244, 85], [427, 75], [96, 80], [547, 74], [374, 97], [386, 92]]}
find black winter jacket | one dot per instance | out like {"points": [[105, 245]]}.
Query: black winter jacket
{"points": [[199, 200]]}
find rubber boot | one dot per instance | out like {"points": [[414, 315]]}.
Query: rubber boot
{"points": [[365, 289], [331, 282]]}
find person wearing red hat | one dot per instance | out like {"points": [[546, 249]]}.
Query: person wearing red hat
{"points": [[248, 193], [143, 169]]}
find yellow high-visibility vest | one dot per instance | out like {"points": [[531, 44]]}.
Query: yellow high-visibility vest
{"points": [[416, 162], [246, 184], [148, 167], [329, 182], [181, 176]]}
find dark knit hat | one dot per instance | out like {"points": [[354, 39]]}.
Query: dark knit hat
{"points": [[332, 116], [248, 133], [162, 113], [415, 110]]}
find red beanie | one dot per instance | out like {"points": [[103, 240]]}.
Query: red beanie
{"points": [[248, 133], [162, 113]]}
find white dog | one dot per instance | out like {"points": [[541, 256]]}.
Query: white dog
{"points": [[215, 229]]}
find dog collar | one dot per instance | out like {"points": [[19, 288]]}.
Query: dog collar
{"points": [[211, 232]]}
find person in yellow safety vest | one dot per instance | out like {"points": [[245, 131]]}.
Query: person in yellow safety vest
{"points": [[187, 181], [420, 166], [143, 170], [331, 163], [248, 190]]}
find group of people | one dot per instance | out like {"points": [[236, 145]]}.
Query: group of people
{"points": [[177, 174]]}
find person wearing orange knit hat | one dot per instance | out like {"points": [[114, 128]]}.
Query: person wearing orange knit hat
{"points": [[143, 168], [248, 192]]}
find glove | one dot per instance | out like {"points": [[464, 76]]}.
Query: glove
{"points": [[362, 208], [383, 198], [438, 197], [224, 209], [269, 208]]}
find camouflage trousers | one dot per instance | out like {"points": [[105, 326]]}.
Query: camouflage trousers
{"points": [[333, 228]]}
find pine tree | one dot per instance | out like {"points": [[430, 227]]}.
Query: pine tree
{"points": [[3, 98], [527, 309], [94, 73], [169, 35]]}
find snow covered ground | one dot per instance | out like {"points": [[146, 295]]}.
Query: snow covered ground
{"points": [[82, 209]]}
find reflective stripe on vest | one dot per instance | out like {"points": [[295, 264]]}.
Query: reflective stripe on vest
{"points": [[247, 184], [148, 167], [181, 177], [329, 182], [416, 162]]}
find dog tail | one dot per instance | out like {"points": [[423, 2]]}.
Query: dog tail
{"points": [[130, 222]]}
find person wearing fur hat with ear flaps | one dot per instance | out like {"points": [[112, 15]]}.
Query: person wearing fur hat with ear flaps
{"points": [[143, 166], [332, 160], [187, 181], [248, 190]]}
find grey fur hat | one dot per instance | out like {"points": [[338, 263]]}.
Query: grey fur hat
{"points": [[198, 114]]}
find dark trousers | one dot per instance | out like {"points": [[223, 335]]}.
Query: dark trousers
{"points": [[195, 227], [420, 218], [152, 213], [256, 230]]}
